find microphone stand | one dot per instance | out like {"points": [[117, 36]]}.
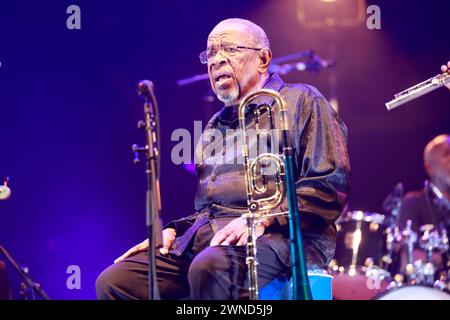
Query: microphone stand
{"points": [[28, 282], [5, 193], [153, 198]]}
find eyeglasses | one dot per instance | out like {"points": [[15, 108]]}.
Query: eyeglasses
{"points": [[208, 55]]}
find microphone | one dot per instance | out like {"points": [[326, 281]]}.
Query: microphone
{"points": [[145, 87], [5, 192]]}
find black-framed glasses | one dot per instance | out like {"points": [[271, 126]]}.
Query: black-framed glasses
{"points": [[208, 55]]}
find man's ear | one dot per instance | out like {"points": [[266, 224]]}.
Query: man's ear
{"points": [[265, 56], [429, 169]]}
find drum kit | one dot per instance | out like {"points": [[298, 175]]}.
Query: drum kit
{"points": [[376, 260]]}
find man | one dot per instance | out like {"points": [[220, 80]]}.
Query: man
{"points": [[431, 205], [429, 208], [203, 255]]}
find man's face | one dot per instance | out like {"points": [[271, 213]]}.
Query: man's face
{"points": [[233, 75]]}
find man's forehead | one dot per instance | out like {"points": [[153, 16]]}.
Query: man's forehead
{"points": [[440, 141], [438, 147], [230, 32]]}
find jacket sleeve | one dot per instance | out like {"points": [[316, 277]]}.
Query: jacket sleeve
{"points": [[323, 168], [181, 225]]}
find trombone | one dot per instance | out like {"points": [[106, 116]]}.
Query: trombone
{"points": [[259, 207]]}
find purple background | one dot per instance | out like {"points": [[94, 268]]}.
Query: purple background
{"points": [[68, 110]]}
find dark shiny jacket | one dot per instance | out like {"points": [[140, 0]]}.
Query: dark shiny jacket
{"points": [[322, 178]]}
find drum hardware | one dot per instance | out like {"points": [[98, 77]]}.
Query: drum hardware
{"points": [[396, 282], [392, 204], [432, 240], [418, 272], [443, 282], [421, 273], [393, 244], [358, 265], [409, 238]]}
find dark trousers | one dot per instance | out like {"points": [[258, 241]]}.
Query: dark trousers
{"points": [[201, 273]]}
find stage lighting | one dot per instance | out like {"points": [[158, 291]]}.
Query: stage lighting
{"points": [[316, 14]]}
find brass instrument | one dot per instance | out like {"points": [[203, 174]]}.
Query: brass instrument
{"points": [[260, 208], [418, 90]]}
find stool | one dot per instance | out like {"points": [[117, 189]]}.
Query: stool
{"points": [[280, 288]]}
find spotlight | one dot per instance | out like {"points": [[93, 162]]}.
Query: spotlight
{"points": [[317, 14]]}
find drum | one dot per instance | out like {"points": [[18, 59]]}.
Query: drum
{"points": [[426, 262], [416, 292], [357, 264]]}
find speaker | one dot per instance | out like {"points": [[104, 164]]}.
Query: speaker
{"points": [[5, 290]]}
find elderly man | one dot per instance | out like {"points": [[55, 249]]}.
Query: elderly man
{"points": [[431, 205], [203, 255]]}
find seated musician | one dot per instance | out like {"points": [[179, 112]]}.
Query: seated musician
{"points": [[203, 254]]}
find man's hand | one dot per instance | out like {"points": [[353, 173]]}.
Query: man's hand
{"points": [[168, 235], [446, 68], [234, 233]]}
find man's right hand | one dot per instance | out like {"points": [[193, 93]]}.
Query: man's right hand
{"points": [[446, 68], [168, 236]]}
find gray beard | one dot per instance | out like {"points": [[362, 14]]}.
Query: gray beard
{"points": [[443, 181], [229, 97]]}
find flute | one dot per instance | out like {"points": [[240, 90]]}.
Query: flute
{"points": [[418, 90]]}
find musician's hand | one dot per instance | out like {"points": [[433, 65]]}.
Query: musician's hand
{"points": [[445, 68], [168, 236], [234, 233]]}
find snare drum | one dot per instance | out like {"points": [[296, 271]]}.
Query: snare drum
{"points": [[357, 264], [416, 292]]}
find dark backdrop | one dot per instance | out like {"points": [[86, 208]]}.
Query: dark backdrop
{"points": [[68, 110]]}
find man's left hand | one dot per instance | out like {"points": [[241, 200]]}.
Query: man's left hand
{"points": [[234, 233]]}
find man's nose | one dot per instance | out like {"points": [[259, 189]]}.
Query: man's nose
{"points": [[219, 59]]}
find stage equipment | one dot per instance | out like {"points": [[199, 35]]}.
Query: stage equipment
{"points": [[153, 198]]}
